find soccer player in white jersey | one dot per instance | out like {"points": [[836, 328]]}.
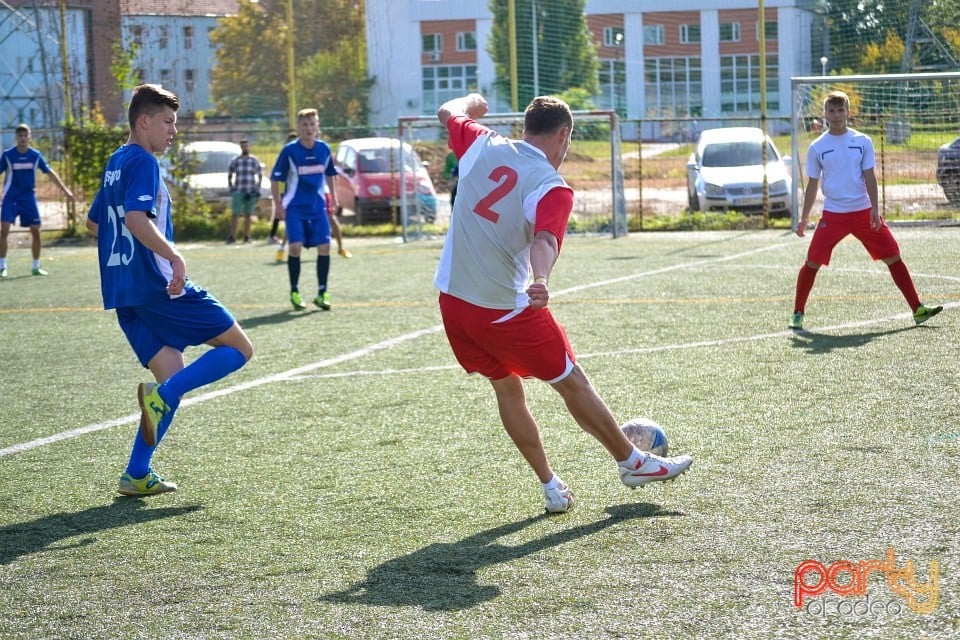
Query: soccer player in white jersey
{"points": [[143, 276], [506, 231], [842, 161]]}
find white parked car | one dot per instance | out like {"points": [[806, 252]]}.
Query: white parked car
{"points": [[725, 172], [209, 178]]}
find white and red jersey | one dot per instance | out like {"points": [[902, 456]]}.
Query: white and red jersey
{"points": [[507, 192]]}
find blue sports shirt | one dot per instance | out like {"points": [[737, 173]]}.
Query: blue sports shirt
{"points": [[130, 273], [305, 173], [21, 173]]}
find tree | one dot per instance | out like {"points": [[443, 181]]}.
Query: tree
{"points": [[864, 33], [250, 76], [250, 49], [565, 54], [336, 82]]}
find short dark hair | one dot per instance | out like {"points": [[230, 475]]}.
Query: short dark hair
{"points": [[546, 114], [149, 99]]}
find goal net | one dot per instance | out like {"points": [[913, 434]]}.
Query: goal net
{"points": [[593, 168], [909, 117]]}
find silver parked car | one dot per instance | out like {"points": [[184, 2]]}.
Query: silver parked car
{"points": [[212, 162], [725, 172]]}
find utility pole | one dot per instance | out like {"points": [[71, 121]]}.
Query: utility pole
{"points": [[291, 80], [67, 116]]}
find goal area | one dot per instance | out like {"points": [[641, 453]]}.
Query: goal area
{"points": [[593, 168], [909, 117]]}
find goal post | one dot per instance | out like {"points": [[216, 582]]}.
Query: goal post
{"points": [[593, 168], [908, 116]]}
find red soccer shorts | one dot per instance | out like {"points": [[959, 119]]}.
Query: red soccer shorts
{"points": [[531, 344], [834, 227]]}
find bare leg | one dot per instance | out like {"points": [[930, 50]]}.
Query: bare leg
{"points": [[4, 235], [592, 413], [520, 425]]}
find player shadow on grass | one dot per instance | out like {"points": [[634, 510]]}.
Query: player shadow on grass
{"points": [[822, 343], [274, 318], [34, 536], [443, 576]]}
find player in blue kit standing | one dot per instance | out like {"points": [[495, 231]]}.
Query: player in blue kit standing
{"points": [[143, 276], [21, 163], [306, 165]]}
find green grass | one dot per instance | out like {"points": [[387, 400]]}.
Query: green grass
{"points": [[373, 494]]}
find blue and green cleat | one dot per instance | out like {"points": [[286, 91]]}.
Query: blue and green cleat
{"points": [[150, 484], [152, 411]]}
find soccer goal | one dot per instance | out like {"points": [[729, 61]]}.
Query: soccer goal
{"points": [[909, 116], [593, 168]]}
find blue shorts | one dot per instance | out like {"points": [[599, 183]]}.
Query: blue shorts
{"points": [[26, 208], [311, 231], [192, 319]]}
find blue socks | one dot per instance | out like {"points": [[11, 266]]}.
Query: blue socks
{"points": [[216, 363]]}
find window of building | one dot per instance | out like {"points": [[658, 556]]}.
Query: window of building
{"points": [[740, 84], [210, 37], [188, 37], [653, 34], [432, 43], [188, 79], [466, 41], [690, 34], [613, 36], [673, 87], [771, 30], [729, 32], [442, 83], [164, 38], [136, 35], [613, 86], [165, 77]]}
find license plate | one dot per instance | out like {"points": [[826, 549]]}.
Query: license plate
{"points": [[745, 202]]}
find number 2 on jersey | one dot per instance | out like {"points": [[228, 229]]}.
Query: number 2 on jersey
{"points": [[506, 179]]}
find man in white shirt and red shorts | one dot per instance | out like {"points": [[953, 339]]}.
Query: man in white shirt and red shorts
{"points": [[506, 230]]}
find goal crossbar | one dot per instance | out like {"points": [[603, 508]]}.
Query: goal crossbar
{"points": [[407, 124]]}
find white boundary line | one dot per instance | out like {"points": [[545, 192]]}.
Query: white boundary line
{"points": [[299, 372]]}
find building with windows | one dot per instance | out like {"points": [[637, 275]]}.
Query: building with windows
{"points": [[696, 59], [173, 44]]}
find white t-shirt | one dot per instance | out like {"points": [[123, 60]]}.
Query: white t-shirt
{"points": [[838, 162]]}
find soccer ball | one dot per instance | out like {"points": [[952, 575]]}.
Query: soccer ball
{"points": [[646, 435]]}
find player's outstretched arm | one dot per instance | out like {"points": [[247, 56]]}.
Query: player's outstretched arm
{"points": [[473, 105]]}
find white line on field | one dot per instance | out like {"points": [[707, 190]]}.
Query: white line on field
{"points": [[299, 372]]}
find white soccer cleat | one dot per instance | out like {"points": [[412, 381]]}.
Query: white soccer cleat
{"points": [[558, 500], [654, 469]]}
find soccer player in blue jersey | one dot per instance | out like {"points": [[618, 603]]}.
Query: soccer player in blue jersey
{"points": [[143, 276], [20, 163], [305, 165]]}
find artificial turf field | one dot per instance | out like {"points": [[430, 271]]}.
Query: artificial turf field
{"points": [[352, 482]]}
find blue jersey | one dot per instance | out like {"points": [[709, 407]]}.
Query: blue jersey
{"points": [[130, 273], [21, 173], [305, 173]]}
